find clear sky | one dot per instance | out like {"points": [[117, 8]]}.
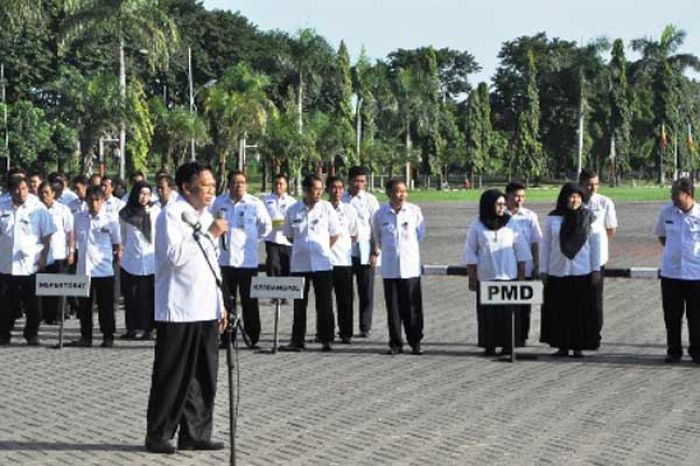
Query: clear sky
{"points": [[479, 27]]}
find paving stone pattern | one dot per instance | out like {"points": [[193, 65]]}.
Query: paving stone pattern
{"points": [[357, 406]]}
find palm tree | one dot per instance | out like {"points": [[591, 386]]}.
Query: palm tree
{"points": [[144, 24], [175, 128], [236, 105], [664, 66]]}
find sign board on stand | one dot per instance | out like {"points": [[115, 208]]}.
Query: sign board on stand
{"points": [[277, 288], [63, 285]]}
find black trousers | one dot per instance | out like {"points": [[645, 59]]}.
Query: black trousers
{"points": [[404, 305], [239, 279], [323, 283], [183, 385], [18, 291], [277, 259], [364, 278], [51, 305], [102, 291], [342, 286], [679, 296], [139, 301], [598, 297]]}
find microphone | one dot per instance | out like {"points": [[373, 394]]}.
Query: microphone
{"points": [[221, 214], [190, 220]]}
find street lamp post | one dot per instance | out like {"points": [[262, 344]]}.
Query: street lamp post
{"points": [[189, 79], [4, 110]]}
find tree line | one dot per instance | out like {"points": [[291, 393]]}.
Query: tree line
{"points": [[78, 72]]}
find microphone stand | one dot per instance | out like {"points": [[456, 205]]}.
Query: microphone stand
{"points": [[233, 326]]}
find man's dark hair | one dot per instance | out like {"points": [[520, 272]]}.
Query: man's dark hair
{"points": [[56, 186], [308, 182], [333, 179], [56, 176], [15, 181], [168, 179], [107, 178], [514, 186], [95, 191], [186, 173], [280, 176], [684, 185], [95, 176], [587, 174], [391, 184], [38, 173], [137, 173], [81, 179], [236, 172], [357, 170]]}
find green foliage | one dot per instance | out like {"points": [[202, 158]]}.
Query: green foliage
{"points": [[140, 128], [528, 156]]}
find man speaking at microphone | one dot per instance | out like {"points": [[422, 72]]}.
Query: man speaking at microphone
{"points": [[248, 222], [189, 314]]}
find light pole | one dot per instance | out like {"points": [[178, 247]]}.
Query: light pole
{"points": [[189, 79]]}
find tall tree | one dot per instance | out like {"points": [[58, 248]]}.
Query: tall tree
{"points": [[477, 130], [528, 155], [665, 68], [620, 113], [141, 24]]}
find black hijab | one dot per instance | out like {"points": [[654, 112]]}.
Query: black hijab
{"points": [[487, 210], [136, 214], [576, 223]]}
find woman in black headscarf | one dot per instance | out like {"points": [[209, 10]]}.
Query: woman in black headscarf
{"points": [[137, 220], [569, 265], [494, 250]]}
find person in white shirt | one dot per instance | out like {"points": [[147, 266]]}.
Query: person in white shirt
{"points": [[398, 227], [311, 225], [137, 221], [165, 187], [605, 222], [495, 249], [278, 249], [570, 264], [527, 222], [248, 222], [112, 204], [363, 262], [678, 229], [80, 186], [98, 242], [35, 179], [134, 178], [189, 313], [25, 241], [61, 253], [341, 257], [65, 196]]}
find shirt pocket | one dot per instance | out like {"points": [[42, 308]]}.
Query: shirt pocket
{"points": [[6, 224]]}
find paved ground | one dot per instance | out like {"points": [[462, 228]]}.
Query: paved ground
{"points": [[356, 406]]}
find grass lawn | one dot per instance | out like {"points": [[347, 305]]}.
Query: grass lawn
{"points": [[544, 194]]}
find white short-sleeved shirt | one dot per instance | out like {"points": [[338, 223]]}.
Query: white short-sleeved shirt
{"points": [[529, 226], [365, 205], [398, 235], [138, 255], [341, 253], [310, 230], [495, 253], [277, 209], [605, 217], [63, 220], [94, 237], [186, 290], [248, 221], [113, 205], [553, 262], [681, 256], [21, 231]]}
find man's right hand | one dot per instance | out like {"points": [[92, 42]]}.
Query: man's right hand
{"points": [[218, 227]]}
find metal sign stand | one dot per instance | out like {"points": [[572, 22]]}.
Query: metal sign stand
{"points": [[276, 338]]}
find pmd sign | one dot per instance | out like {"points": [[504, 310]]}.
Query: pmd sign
{"points": [[506, 292]]}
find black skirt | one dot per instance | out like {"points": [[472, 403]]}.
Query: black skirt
{"points": [[139, 301], [494, 324], [569, 316]]}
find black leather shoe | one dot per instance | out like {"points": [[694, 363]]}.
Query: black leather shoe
{"points": [[33, 341], [365, 334], [326, 348], [489, 352], [562, 353], [81, 343], [577, 354], [394, 350], [345, 340], [292, 348], [129, 335], [672, 359], [416, 349], [160, 446], [204, 445], [4, 341], [107, 343]]}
